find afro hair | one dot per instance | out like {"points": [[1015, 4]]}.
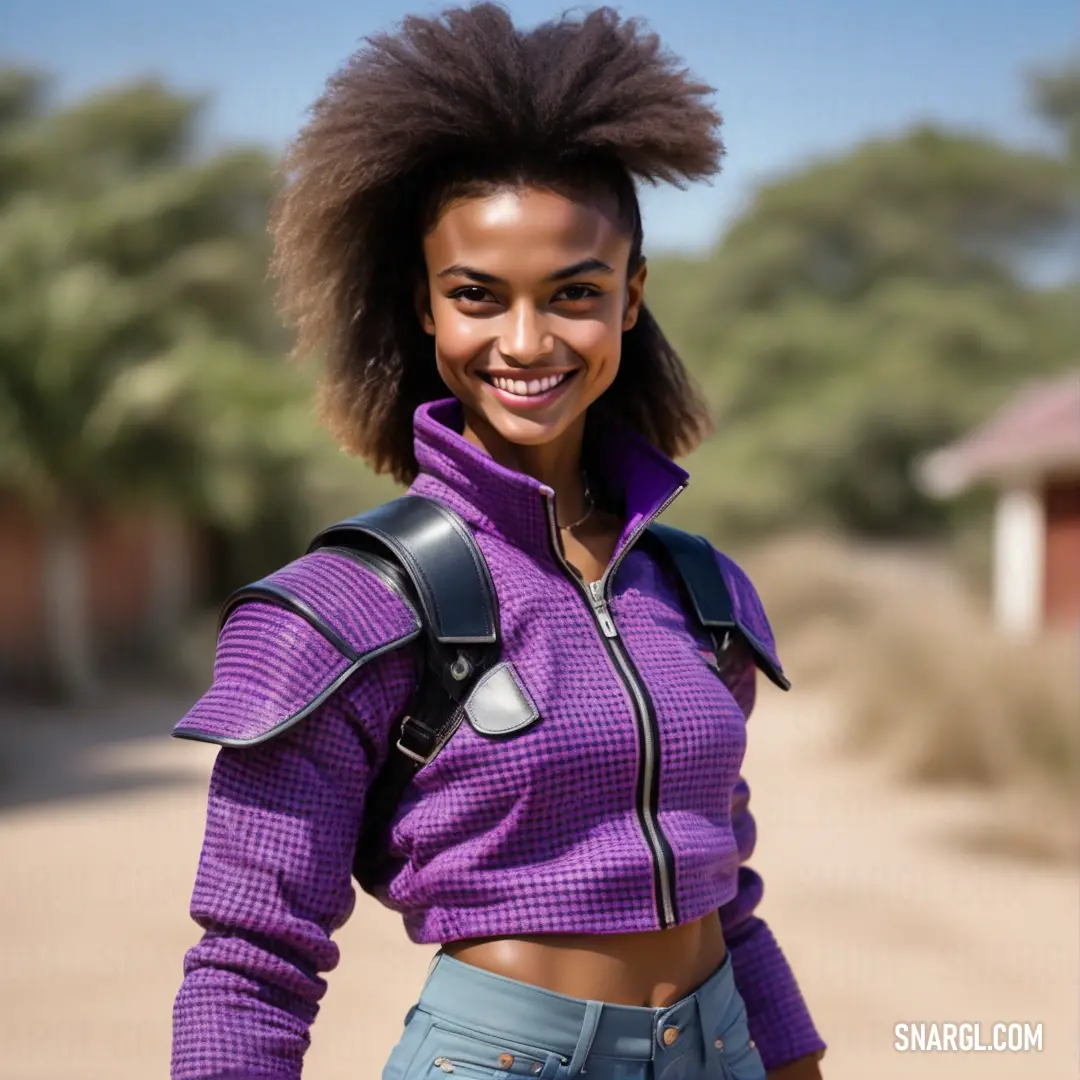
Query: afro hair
{"points": [[456, 103]]}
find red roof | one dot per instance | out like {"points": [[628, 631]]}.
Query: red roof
{"points": [[1036, 433]]}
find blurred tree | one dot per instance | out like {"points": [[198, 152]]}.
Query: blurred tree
{"points": [[1055, 95], [139, 358], [863, 310]]}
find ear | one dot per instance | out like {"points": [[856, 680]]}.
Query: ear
{"points": [[422, 303], [635, 295]]}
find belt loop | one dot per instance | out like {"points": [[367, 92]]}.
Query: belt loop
{"points": [[585, 1037], [706, 1034]]}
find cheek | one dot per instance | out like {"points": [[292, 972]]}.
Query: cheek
{"points": [[458, 338], [593, 338], [597, 341]]}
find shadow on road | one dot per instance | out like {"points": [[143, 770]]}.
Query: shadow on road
{"points": [[118, 743]]}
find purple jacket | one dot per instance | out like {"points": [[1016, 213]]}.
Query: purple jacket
{"points": [[594, 789]]}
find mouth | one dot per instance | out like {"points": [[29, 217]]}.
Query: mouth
{"points": [[534, 391]]}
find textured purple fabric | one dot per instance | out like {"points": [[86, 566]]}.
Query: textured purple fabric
{"points": [[779, 1021], [352, 599], [535, 832], [291, 658], [274, 881]]}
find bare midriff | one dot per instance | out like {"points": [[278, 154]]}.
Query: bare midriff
{"points": [[654, 968]]}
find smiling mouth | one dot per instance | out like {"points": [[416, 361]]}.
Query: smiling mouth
{"points": [[533, 387]]}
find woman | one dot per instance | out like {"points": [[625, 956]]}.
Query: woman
{"points": [[462, 215]]}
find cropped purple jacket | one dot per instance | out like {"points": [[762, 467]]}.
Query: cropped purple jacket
{"points": [[594, 789]]}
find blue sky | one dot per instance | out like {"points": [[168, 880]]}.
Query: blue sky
{"points": [[795, 78]]}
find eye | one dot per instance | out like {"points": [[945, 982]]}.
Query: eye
{"points": [[473, 294], [578, 293]]}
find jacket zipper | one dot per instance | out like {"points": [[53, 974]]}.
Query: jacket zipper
{"points": [[597, 594]]}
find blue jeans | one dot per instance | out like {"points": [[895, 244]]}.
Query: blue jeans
{"points": [[473, 1024]]}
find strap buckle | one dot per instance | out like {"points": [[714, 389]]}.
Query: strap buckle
{"points": [[420, 759]]}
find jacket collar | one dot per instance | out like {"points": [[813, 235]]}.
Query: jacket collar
{"points": [[513, 506]]}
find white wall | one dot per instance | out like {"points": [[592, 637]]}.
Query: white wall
{"points": [[1019, 547]]}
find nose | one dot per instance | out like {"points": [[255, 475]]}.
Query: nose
{"points": [[526, 339]]}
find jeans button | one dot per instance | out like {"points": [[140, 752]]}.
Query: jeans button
{"points": [[670, 1035], [719, 1044]]}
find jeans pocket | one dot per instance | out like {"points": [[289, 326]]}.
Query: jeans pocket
{"points": [[739, 1057], [399, 1066], [747, 1067], [449, 1049]]}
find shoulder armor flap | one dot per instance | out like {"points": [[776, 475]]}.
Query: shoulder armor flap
{"points": [[291, 640], [750, 618]]}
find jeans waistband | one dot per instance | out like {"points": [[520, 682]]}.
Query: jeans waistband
{"points": [[571, 1027]]}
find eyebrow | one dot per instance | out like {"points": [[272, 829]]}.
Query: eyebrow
{"points": [[586, 266]]}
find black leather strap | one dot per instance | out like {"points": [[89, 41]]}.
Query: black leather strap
{"points": [[435, 548], [704, 584], [425, 552], [693, 558]]}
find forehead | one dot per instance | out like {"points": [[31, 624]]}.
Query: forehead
{"points": [[520, 231]]}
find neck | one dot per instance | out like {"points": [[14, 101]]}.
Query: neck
{"points": [[556, 464]]}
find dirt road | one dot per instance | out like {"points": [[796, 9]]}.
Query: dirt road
{"points": [[884, 922]]}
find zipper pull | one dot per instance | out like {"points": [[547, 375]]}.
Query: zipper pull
{"points": [[603, 616]]}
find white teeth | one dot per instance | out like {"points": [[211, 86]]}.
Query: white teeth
{"points": [[521, 388]]}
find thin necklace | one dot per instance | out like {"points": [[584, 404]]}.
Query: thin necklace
{"points": [[588, 513]]}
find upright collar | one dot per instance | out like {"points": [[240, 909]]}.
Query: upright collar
{"points": [[514, 506]]}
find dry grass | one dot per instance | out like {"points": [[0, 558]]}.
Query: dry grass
{"points": [[926, 682]]}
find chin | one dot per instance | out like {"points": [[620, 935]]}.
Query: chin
{"points": [[519, 431], [537, 427]]}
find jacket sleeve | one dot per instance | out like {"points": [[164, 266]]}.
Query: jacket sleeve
{"points": [[284, 810], [779, 1020]]}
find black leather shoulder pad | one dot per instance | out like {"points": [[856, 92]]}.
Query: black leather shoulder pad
{"points": [[722, 596], [437, 550]]}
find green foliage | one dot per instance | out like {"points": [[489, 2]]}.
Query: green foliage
{"points": [[1055, 95], [139, 355], [864, 310]]}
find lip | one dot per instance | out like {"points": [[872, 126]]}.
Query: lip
{"points": [[532, 401]]}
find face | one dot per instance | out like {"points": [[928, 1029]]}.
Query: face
{"points": [[528, 298]]}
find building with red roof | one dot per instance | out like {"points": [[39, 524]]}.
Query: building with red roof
{"points": [[1030, 452]]}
